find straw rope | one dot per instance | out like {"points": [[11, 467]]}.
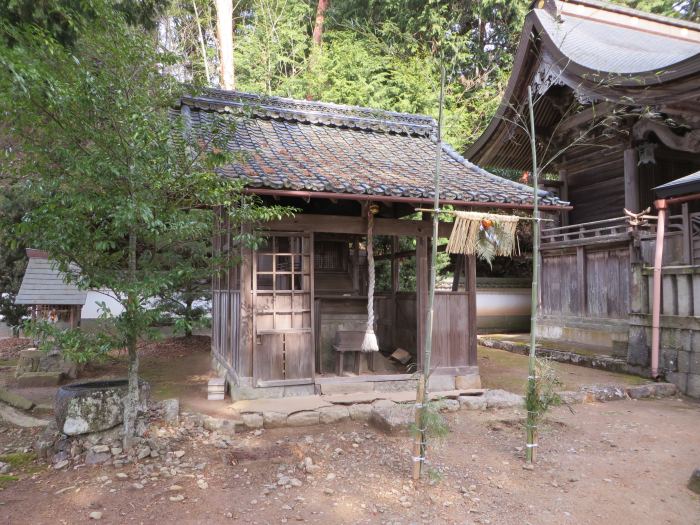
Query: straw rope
{"points": [[467, 229], [370, 344]]}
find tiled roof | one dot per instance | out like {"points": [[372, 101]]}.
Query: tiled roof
{"points": [[312, 146], [607, 47], [43, 283]]}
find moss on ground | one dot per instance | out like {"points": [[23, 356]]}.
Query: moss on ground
{"points": [[506, 370], [18, 460], [6, 480]]}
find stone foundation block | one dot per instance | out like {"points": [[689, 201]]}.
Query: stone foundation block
{"points": [[468, 382], [360, 412], [305, 418], [333, 414], [39, 379]]}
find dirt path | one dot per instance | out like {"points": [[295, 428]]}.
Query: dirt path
{"points": [[620, 463]]}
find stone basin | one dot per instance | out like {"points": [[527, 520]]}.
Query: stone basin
{"points": [[93, 406]]}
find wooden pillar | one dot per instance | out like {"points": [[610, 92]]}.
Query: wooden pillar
{"points": [[564, 195], [631, 180], [245, 355], [581, 277], [687, 247], [458, 268], [421, 294], [394, 286], [470, 288]]}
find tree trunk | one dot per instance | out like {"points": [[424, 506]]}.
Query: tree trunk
{"points": [[321, 9], [188, 317], [131, 401], [224, 34], [316, 40]]}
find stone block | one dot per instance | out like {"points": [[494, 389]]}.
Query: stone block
{"points": [[472, 402], [39, 379], [569, 397], [395, 386], [243, 392], [693, 362], [394, 419], [346, 388], [28, 361], [468, 382], [220, 425], [693, 385], [97, 458], [303, 419], [15, 400], [333, 414], [638, 349], [32, 360], [253, 420], [680, 380], [441, 383], [502, 399], [449, 405], [360, 412], [171, 411], [274, 419], [299, 390], [669, 360], [604, 393]]}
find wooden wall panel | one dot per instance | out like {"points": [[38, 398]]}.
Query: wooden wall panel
{"points": [[299, 360], [269, 365], [451, 333]]}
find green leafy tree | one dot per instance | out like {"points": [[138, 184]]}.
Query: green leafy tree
{"points": [[13, 259], [118, 180]]}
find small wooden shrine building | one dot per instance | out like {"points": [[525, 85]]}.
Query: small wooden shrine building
{"points": [[617, 113], [45, 291], [281, 316]]}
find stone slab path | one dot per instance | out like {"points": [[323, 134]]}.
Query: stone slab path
{"points": [[291, 405], [14, 416]]}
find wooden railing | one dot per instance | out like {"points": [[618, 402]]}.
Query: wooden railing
{"points": [[616, 227]]}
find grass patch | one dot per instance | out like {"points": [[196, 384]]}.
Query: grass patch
{"points": [[6, 480], [19, 460]]}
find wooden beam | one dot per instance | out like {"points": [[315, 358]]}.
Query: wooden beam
{"points": [[356, 225], [631, 180]]}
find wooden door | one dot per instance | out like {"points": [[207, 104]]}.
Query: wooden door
{"points": [[282, 288]]}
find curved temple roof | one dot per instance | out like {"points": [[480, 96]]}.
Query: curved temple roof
{"points": [[608, 38], [603, 53], [319, 147]]}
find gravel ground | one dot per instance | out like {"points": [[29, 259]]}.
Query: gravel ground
{"points": [[622, 462]]}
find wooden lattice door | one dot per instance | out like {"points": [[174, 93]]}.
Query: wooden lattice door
{"points": [[282, 288]]}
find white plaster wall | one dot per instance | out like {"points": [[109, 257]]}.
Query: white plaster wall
{"points": [[91, 310], [502, 301]]}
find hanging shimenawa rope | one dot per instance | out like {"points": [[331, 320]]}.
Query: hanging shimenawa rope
{"points": [[369, 343], [477, 232]]}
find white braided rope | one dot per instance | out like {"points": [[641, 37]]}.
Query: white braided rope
{"points": [[370, 341]]}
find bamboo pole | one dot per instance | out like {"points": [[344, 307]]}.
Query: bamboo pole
{"points": [[531, 438], [419, 442]]}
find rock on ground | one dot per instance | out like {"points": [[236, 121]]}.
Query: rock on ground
{"points": [[15, 400], [472, 402], [694, 483], [16, 417], [392, 419], [502, 399]]}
